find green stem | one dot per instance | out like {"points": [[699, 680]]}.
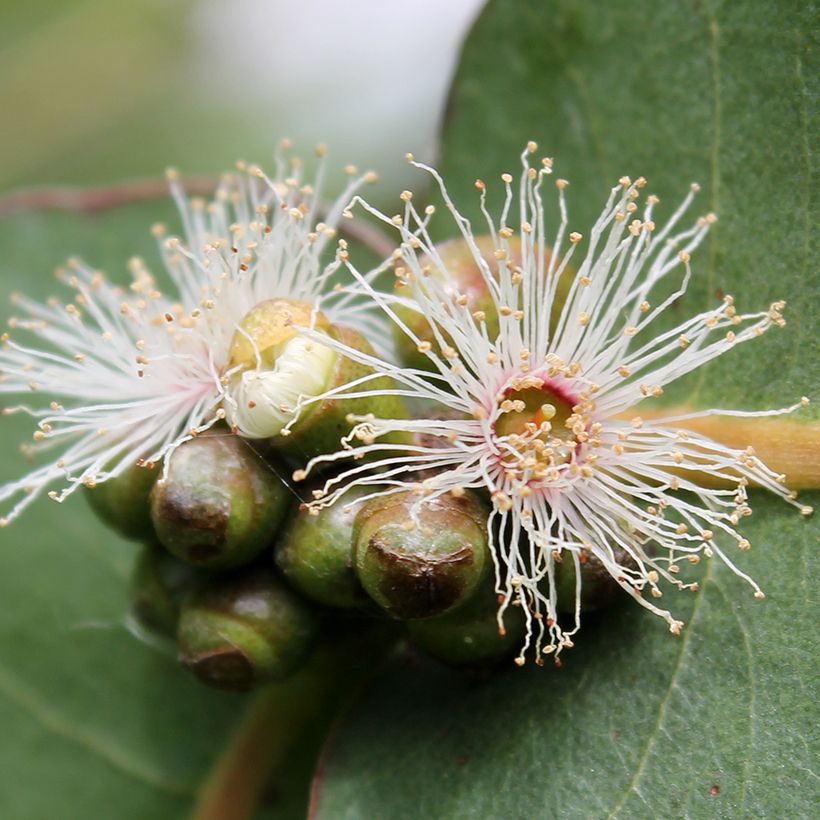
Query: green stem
{"points": [[278, 717], [786, 446]]}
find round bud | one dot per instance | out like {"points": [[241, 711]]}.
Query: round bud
{"points": [[598, 588], [245, 628], [423, 565], [159, 582], [122, 502], [315, 553], [322, 425], [276, 366], [456, 263], [470, 635], [219, 503]]}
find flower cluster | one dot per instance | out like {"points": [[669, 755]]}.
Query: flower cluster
{"points": [[527, 394], [118, 377], [540, 414]]}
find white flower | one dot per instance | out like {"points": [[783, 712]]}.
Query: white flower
{"points": [[536, 416], [117, 376]]}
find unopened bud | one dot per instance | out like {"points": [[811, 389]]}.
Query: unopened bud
{"points": [[159, 582], [315, 553], [418, 566], [598, 588], [322, 425], [122, 502], [220, 503], [470, 635], [244, 629], [463, 274]]}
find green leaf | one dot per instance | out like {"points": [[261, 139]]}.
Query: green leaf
{"points": [[637, 723], [96, 723]]}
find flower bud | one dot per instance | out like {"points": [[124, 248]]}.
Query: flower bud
{"points": [[159, 582], [315, 553], [423, 565], [322, 425], [598, 588], [458, 265], [275, 366], [245, 628], [122, 502], [470, 635], [219, 503]]}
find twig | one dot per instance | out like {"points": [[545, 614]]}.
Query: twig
{"points": [[104, 197], [94, 199]]}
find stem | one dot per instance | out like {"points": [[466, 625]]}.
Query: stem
{"points": [[95, 199], [278, 717], [104, 197], [785, 445]]}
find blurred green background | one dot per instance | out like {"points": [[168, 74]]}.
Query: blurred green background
{"points": [[94, 91]]}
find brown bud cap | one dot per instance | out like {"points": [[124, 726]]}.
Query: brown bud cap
{"points": [[418, 568], [244, 629], [598, 588]]}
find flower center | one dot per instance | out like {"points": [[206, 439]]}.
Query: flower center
{"points": [[266, 329], [539, 427]]}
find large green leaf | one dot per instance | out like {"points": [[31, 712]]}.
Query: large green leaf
{"points": [[716, 723], [96, 724]]}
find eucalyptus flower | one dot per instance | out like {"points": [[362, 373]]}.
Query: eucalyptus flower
{"points": [[121, 376], [540, 413]]}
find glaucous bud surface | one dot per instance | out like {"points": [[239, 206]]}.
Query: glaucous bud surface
{"points": [[422, 567], [220, 504], [245, 628]]}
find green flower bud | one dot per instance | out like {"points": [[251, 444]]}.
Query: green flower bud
{"points": [[274, 366], [421, 568], [458, 265], [315, 553], [220, 504], [159, 582], [470, 635], [322, 425], [122, 502], [598, 588], [245, 628]]}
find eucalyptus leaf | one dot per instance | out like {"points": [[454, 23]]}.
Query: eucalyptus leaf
{"points": [[95, 722], [637, 723]]}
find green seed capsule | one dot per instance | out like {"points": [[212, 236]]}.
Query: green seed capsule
{"points": [[470, 635], [458, 262], [598, 588], [423, 568], [315, 553], [159, 582], [245, 628], [220, 504], [122, 502]]}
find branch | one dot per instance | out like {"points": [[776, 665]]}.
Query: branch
{"points": [[105, 197]]}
